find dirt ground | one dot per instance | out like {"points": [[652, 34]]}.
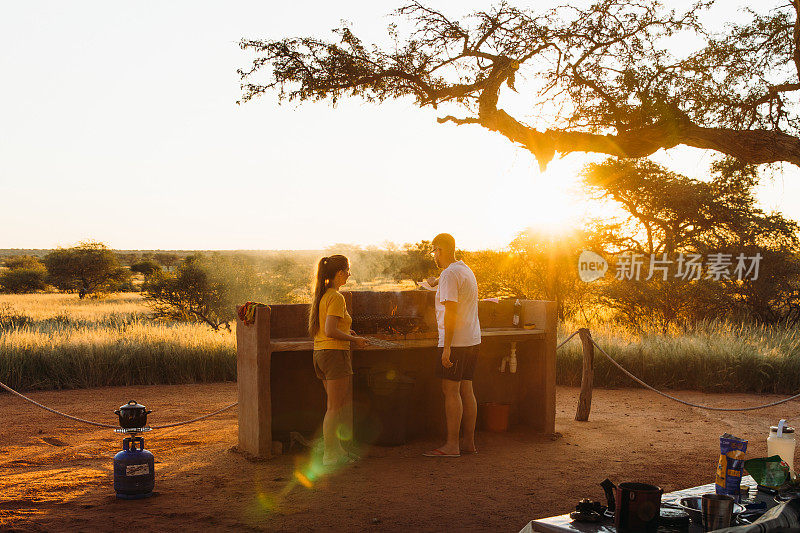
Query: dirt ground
{"points": [[57, 476]]}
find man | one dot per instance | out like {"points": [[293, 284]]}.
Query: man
{"points": [[459, 339]]}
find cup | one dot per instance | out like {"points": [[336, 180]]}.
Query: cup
{"points": [[717, 511], [638, 508]]}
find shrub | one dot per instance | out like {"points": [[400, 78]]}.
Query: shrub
{"points": [[205, 288], [148, 267], [86, 268], [416, 262], [22, 261], [22, 280]]}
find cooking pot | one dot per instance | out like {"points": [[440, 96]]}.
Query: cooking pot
{"points": [[693, 505], [636, 505], [132, 415]]}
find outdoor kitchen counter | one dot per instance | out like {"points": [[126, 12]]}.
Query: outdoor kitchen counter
{"points": [[487, 334], [279, 392]]}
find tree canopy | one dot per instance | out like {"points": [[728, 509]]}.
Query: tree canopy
{"points": [[670, 213], [538, 265], [208, 287], [22, 261], [605, 78], [667, 213], [147, 267], [23, 274], [86, 268]]}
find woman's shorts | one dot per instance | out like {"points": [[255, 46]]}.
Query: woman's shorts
{"points": [[332, 364]]}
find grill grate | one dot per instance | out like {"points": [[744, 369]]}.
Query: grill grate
{"points": [[393, 325]]}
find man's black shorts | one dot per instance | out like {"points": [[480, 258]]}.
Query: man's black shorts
{"points": [[463, 359]]}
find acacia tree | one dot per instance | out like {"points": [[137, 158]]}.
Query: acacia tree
{"points": [[205, 288], [86, 268], [667, 213], [208, 287], [146, 267], [608, 82]]}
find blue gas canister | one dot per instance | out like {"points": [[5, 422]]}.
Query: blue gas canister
{"points": [[134, 475]]}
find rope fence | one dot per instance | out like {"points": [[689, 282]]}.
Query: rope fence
{"points": [[176, 424], [565, 340], [100, 424], [664, 394], [593, 342], [37, 404]]}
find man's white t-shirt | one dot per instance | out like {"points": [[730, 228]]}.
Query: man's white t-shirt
{"points": [[457, 283]]}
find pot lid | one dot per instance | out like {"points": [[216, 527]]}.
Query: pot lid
{"points": [[131, 405]]}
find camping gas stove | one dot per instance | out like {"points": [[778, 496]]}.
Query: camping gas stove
{"points": [[134, 472]]}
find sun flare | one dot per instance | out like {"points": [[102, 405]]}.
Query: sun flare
{"points": [[555, 202], [554, 212]]}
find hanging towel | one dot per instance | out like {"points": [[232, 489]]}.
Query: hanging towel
{"points": [[247, 312]]}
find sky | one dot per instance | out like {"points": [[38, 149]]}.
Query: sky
{"points": [[120, 124]]}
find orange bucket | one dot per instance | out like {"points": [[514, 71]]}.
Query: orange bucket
{"points": [[495, 416]]}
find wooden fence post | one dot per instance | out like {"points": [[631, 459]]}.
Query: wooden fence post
{"points": [[587, 377]]}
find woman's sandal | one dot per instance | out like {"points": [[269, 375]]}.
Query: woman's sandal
{"points": [[439, 453], [340, 461]]}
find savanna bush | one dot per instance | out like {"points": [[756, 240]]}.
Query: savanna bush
{"points": [[208, 287], [24, 280]]}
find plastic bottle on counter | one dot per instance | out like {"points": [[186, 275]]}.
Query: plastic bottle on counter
{"points": [[781, 442], [517, 313]]}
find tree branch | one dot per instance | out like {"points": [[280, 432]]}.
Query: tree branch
{"points": [[458, 121], [749, 146], [796, 36], [615, 89]]}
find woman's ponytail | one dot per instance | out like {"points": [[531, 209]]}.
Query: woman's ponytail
{"points": [[327, 267]]}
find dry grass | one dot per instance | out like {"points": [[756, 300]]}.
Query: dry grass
{"points": [[717, 356], [47, 306], [59, 341]]}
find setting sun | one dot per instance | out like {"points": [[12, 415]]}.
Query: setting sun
{"points": [[554, 208], [552, 202]]}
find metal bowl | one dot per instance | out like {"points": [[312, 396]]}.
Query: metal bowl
{"points": [[693, 505]]}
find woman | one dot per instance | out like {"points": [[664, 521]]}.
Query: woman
{"points": [[329, 324]]}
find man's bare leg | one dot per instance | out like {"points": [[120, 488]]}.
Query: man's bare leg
{"points": [[453, 411], [469, 415]]}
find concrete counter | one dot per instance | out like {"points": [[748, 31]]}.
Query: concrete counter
{"points": [[306, 344], [278, 391]]}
